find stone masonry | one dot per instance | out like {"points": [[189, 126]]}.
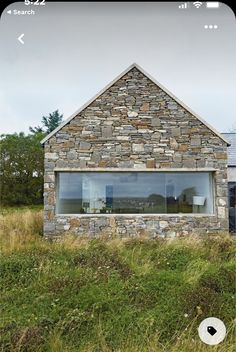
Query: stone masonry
{"points": [[135, 124]]}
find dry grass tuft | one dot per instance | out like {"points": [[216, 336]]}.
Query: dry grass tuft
{"points": [[20, 229]]}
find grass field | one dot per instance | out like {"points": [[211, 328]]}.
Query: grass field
{"points": [[111, 295]]}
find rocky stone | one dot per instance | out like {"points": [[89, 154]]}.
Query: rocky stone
{"points": [[173, 144], [138, 147], [151, 163], [82, 163], [206, 150], [189, 163], [195, 141], [123, 138], [85, 145], [172, 106], [139, 165], [51, 156], [201, 163], [144, 107], [221, 212], [132, 114], [222, 156], [171, 234], [175, 132], [49, 227], [49, 164], [158, 150], [177, 157], [126, 164], [156, 122], [49, 178], [163, 224], [222, 202], [95, 157], [183, 147], [156, 136], [61, 163], [72, 154], [107, 132]]}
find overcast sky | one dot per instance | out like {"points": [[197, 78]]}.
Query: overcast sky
{"points": [[72, 50]]}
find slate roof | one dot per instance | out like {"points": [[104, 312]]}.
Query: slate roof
{"points": [[231, 137]]}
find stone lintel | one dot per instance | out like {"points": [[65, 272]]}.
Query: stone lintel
{"points": [[116, 169]]}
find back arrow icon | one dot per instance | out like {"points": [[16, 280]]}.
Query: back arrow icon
{"points": [[20, 39]]}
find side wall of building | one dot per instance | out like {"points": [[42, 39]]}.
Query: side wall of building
{"points": [[232, 174], [135, 125]]}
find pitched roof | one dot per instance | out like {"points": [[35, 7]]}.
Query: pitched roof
{"points": [[232, 148], [114, 81]]}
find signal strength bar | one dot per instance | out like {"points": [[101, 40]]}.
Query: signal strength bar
{"points": [[183, 6]]}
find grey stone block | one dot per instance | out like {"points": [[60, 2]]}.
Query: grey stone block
{"points": [[49, 227], [106, 131], [195, 141], [85, 145], [96, 157], [156, 122], [175, 132]]}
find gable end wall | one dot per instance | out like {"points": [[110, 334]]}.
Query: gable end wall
{"points": [[135, 125]]}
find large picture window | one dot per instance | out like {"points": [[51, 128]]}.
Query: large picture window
{"points": [[134, 192]]}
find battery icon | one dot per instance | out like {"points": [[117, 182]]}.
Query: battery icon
{"points": [[212, 5]]}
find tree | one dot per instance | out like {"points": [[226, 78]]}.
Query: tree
{"points": [[49, 123], [21, 169]]}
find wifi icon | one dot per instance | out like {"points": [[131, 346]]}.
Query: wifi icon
{"points": [[197, 4]]}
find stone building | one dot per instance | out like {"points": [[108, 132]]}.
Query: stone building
{"points": [[135, 161]]}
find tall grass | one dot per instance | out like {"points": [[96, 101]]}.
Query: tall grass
{"points": [[20, 228], [132, 295]]}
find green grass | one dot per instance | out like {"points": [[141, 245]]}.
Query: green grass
{"points": [[111, 295]]}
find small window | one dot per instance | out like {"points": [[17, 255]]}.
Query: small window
{"points": [[134, 192]]}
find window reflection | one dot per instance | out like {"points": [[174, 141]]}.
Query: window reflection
{"points": [[134, 192]]}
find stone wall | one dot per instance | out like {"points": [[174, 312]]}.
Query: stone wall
{"points": [[135, 125]]}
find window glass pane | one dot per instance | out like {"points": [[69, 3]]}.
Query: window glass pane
{"points": [[189, 192], [69, 193], [134, 192]]}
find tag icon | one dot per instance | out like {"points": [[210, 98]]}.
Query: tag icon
{"points": [[212, 331]]}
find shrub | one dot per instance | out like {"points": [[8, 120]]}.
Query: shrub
{"points": [[99, 257]]}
